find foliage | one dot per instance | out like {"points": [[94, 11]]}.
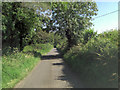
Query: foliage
{"points": [[0, 73], [17, 65], [32, 30], [17, 23], [39, 48], [96, 62], [70, 18], [20, 25], [112, 35], [42, 6], [24, 40], [88, 34], [43, 37], [58, 40]]}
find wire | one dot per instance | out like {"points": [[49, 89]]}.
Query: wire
{"points": [[106, 14]]}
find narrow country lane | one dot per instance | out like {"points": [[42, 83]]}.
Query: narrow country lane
{"points": [[51, 72]]}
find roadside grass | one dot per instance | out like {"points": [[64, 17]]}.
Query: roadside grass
{"points": [[0, 73], [16, 65]]}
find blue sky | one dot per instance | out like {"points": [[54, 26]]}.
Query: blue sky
{"points": [[107, 22]]}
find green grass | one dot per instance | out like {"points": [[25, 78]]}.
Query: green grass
{"points": [[17, 65], [0, 73]]}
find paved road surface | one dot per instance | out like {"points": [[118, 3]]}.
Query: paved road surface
{"points": [[51, 72]]}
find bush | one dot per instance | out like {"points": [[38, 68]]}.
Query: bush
{"points": [[96, 62], [111, 35], [88, 34], [62, 47], [40, 48]]}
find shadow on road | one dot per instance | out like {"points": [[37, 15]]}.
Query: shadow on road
{"points": [[35, 53], [46, 57], [69, 76], [57, 63]]}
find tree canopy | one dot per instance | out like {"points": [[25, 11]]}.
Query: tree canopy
{"points": [[21, 23], [70, 18]]}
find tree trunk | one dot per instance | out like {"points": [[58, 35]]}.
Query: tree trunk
{"points": [[11, 40], [69, 38], [21, 42], [21, 27]]}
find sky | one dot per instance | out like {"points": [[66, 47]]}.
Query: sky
{"points": [[109, 21]]}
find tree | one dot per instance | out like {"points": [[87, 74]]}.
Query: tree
{"points": [[20, 23], [9, 16], [25, 23], [70, 18]]}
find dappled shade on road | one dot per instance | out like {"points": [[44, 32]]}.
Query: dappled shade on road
{"points": [[51, 72], [46, 57]]}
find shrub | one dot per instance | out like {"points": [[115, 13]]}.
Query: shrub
{"points": [[96, 62], [40, 48], [88, 34], [111, 35]]}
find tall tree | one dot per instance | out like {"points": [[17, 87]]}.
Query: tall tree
{"points": [[70, 18], [21, 21], [9, 16], [18, 22]]}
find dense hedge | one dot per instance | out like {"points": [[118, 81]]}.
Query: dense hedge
{"points": [[96, 61]]}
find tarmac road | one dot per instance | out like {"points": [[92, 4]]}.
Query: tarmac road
{"points": [[51, 72]]}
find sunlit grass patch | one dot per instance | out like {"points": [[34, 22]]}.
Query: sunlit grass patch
{"points": [[16, 65]]}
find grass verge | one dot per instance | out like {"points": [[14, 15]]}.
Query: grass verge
{"points": [[16, 65]]}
